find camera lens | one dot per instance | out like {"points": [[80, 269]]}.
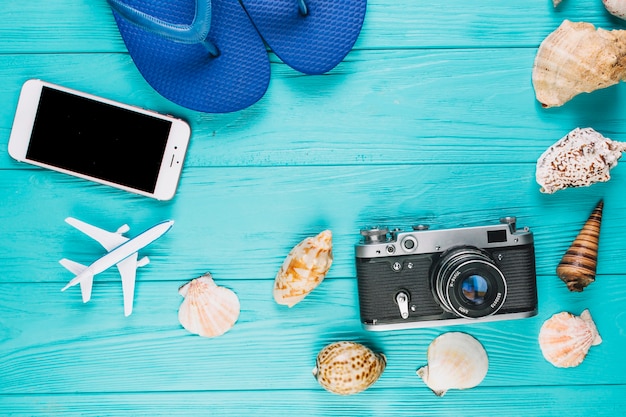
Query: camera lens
{"points": [[467, 283]]}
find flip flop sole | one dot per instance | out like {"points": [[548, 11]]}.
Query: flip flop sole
{"points": [[187, 74], [312, 44]]}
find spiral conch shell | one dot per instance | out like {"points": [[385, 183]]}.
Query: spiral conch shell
{"points": [[304, 269], [578, 266], [207, 310], [565, 339], [455, 361], [581, 158], [577, 58], [346, 368]]}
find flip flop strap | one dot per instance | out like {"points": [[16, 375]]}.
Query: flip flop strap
{"points": [[195, 32]]}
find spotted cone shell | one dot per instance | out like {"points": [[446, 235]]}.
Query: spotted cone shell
{"points": [[207, 310], [581, 158], [304, 269], [565, 339], [346, 368], [455, 361], [578, 266], [577, 58]]}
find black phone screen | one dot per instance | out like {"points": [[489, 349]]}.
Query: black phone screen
{"points": [[98, 139]]}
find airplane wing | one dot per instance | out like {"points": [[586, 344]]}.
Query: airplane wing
{"points": [[110, 240], [128, 271]]}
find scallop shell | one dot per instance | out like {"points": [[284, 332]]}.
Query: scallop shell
{"points": [[581, 158], [346, 368], [577, 58], [455, 361], [207, 310], [616, 7], [565, 339], [304, 269], [578, 266]]}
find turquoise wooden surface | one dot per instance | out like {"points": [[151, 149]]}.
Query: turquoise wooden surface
{"points": [[430, 119]]}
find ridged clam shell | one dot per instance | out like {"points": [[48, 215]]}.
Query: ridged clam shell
{"points": [[346, 368], [455, 361], [304, 269], [581, 158], [577, 58], [565, 339], [208, 310], [578, 266]]}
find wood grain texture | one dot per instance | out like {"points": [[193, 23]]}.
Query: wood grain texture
{"points": [[430, 119]]}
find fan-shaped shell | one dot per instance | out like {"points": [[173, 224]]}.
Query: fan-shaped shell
{"points": [[455, 361], [348, 367], [578, 266], [577, 58], [207, 310], [580, 158], [304, 269], [565, 339]]}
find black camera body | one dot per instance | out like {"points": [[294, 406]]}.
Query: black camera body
{"points": [[425, 278]]}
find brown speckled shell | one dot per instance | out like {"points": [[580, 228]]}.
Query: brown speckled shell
{"points": [[346, 368], [578, 266]]}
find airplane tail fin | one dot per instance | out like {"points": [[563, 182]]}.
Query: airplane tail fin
{"points": [[86, 281]]}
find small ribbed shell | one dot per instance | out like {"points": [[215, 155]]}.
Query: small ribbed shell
{"points": [[565, 339], [578, 266], [581, 158], [304, 269], [207, 310], [577, 58], [455, 361], [346, 368]]}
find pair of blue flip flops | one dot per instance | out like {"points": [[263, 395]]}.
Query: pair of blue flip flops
{"points": [[210, 55]]}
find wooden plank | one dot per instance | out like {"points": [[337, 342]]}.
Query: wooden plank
{"points": [[78, 26], [53, 344], [520, 401], [386, 107], [242, 222]]}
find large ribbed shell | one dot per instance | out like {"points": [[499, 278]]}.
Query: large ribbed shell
{"points": [[207, 310], [578, 266], [346, 368], [565, 339], [581, 158], [577, 58], [455, 361], [304, 269]]}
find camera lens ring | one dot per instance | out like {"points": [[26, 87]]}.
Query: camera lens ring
{"points": [[467, 283]]}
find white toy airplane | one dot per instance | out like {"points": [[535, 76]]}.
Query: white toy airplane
{"points": [[122, 252]]}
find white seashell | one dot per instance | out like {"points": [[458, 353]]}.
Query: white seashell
{"points": [[565, 339], [616, 7], [207, 310], [346, 368], [577, 58], [581, 158], [304, 269], [455, 361]]}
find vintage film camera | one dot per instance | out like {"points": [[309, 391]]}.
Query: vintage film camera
{"points": [[424, 278]]}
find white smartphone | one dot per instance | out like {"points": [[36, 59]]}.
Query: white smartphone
{"points": [[97, 139]]}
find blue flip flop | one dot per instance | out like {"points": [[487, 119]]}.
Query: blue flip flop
{"points": [[204, 55], [311, 36]]}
